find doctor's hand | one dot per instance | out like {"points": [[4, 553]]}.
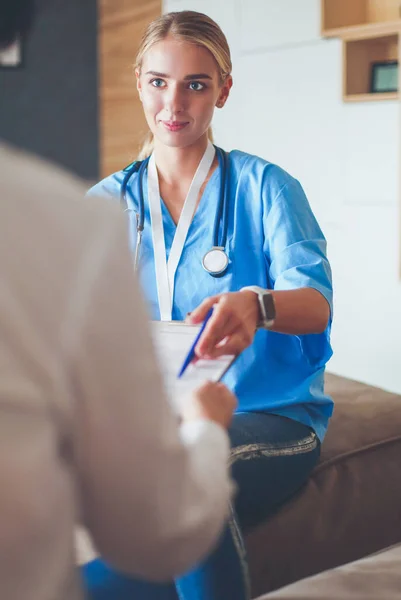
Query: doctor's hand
{"points": [[232, 326], [211, 401]]}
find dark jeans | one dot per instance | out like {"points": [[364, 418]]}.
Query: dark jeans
{"points": [[271, 458]]}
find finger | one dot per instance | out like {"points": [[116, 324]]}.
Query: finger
{"points": [[209, 386], [220, 325], [198, 315], [234, 345]]}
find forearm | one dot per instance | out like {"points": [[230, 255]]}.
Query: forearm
{"points": [[300, 311]]}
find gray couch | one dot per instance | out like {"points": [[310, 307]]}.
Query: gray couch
{"points": [[351, 505]]}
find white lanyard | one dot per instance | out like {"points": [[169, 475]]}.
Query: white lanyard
{"points": [[165, 270]]}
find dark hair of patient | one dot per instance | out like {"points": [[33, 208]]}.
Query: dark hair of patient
{"points": [[15, 20]]}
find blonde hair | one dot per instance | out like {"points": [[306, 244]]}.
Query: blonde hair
{"points": [[187, 26]]}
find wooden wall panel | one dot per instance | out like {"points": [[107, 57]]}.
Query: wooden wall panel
{"points": [[122, 124]]}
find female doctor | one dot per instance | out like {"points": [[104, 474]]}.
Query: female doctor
{"points": [[234, 232]]}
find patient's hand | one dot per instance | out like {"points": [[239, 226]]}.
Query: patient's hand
{"points": [[211, 401]]}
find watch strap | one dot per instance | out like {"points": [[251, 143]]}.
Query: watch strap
{"points": [[266, 321]]}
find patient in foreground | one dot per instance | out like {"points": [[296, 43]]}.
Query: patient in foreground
{"points": [[86, 430]]}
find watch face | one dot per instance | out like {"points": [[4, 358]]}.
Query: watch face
{"points": [[268, 303]]}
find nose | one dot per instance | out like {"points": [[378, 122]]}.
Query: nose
{"points": [[175, 100]]}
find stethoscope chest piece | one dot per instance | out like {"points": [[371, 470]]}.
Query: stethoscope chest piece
{"points": [[215, 261]]}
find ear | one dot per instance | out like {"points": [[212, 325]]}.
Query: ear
{"points": [[138, 83], [224, 92]]}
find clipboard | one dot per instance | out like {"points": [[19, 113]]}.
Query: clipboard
{"points": [[172, 341]]}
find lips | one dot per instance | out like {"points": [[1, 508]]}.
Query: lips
{"points": [[175, 125]]}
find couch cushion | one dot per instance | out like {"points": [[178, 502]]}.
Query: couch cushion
{"points": [[351, 505], [373, 578]]}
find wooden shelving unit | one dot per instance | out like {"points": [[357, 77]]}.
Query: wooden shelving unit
{"points": [[370, 31]]}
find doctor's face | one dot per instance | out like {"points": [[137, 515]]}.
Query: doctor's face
{"points": [[179, 88]]}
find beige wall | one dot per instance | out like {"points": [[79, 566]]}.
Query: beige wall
{"points": [[122, 125]]}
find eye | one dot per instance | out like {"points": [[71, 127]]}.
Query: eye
{"points": [[196, 86], [158, 83]]}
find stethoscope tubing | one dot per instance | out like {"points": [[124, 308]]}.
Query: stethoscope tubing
{"points": [[221, 213]]}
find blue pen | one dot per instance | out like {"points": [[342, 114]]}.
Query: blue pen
{"points": [[191, 353]]}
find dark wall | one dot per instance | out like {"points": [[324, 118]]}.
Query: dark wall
{"points": [[50, 106]]}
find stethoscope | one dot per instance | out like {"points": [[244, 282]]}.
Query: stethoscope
{"points": [[215, 261]]}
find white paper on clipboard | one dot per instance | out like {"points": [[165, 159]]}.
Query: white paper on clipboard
{"points": [[172, 341]]}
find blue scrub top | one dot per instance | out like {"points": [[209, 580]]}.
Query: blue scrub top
{"points": [[273, 241]]}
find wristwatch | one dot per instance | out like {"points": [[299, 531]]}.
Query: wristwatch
{"points": [[267, 310]]}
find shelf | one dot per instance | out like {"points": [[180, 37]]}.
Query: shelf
{"points": [[358, 57], [368, 30], [371, 97], [345, 14]]}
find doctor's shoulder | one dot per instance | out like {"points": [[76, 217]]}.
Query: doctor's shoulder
{"points": [[263, 176], [110, 186]]}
